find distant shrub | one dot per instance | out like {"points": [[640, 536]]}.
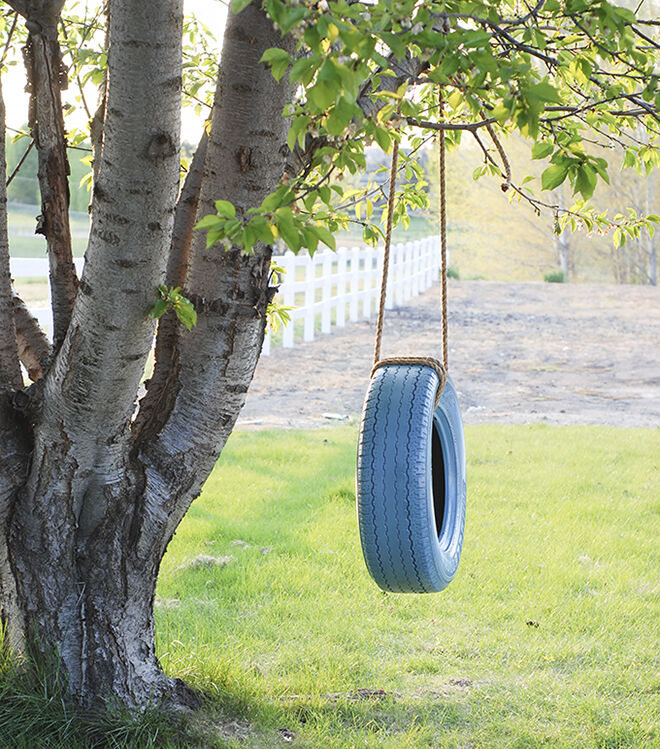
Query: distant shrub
{"points": [[554, 276], [452, 272]]}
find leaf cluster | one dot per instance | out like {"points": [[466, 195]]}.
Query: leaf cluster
{"points": [[172, 299], [575, 78]]}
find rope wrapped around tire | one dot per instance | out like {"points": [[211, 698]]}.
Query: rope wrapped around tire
{"points": [[411, 487]]}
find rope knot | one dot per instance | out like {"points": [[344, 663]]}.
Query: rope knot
{"points": [[425, 361]]}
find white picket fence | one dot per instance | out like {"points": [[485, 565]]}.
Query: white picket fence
{"points": [[326, 290], [332, 288]]}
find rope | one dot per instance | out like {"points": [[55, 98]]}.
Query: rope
{"points": [[386, 255], [439, 367], [443, 246], [425, 361]]}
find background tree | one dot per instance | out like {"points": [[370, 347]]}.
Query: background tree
{"points": [[92, 483]]}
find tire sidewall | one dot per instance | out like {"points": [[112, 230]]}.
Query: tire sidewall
{"points": [[447, 541]]}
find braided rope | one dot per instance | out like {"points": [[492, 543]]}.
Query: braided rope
{"points": [[443, 248], [425, 361], [440, 368], [386, 255]]}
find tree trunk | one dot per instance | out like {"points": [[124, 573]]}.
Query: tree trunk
{"points": [[651, 241], [563, 241], [45, 77], [87, 522], [76, 586]]}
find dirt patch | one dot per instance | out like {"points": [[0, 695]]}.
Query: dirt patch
{"points": [[523, 352]]}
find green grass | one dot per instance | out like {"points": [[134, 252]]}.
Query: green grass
{"points": [[33, 291], [548, 636], [24, 243]]}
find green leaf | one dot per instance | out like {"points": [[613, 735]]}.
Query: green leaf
{"points": [[297, 131], [208, 222], [382, 138], [278, 60], [262, 229], [185, 311], [322, 95], [159, 309], [286, 226], [340, 117], [238, 5], [225, 209], [325, 235], [544, 91], [303, 69], [291, 17], [585, 181], [542, 150], [232, 227], [553, 176], [213, 236]]}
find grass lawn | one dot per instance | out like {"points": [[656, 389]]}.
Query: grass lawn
{"points": [[548, 636], [24, 242]]}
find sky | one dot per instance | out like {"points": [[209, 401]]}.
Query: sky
{"points": [[211, 12]]}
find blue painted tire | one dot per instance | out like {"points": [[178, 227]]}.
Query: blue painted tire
{"points": [[411, 480]]}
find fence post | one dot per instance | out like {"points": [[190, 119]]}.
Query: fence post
{"points": [[355, 284], [428, 251], [287, 290], [310, 299], [416, 266], [326, 294], [407, 270], [389, 296], [341, 287], [367, 289], [397, 274]]}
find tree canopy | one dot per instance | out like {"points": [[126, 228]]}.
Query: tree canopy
{"points": [[576, 79]]}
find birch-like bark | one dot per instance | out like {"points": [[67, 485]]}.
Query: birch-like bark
{"points": [[245, 160], [652, 241], [92, 388], [45, 78], [34, 349], [563, 240], [154, 406], [13, 455], [70, 534], [10, 370]]}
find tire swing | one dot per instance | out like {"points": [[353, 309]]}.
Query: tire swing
{"points": [[411, 487]]}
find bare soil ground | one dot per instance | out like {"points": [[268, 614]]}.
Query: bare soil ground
{"points": [[519, 352]]}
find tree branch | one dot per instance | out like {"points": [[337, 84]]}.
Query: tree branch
{"points": [[20, 6], [10, 371], [34, 349], [505, 160], [152, 406], [245, 160], [18, 166], [469, 126], [93, 382], [45, 77], [533, 13]]}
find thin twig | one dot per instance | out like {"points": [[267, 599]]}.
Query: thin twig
{"points": [[20, 163], [11, 33], [469, 126], [505, 160]]}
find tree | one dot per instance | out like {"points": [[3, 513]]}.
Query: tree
{"points": [[94, 483]]}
